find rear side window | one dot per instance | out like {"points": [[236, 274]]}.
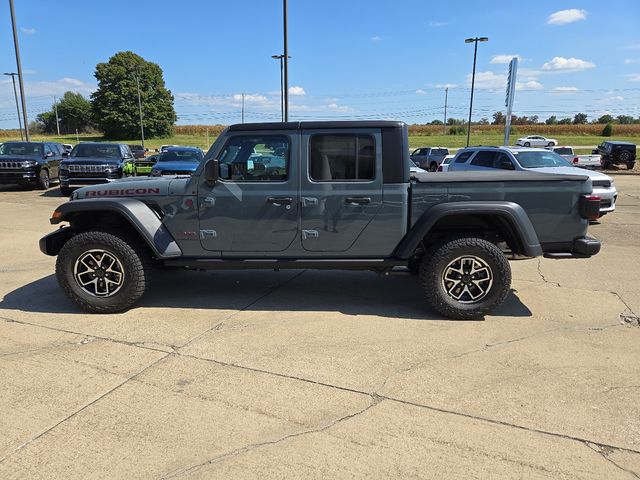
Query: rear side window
{"points": [[483, 159], [342, 158], [563, 151], [463, 157]]}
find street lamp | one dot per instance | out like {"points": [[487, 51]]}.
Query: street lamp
{"points": [[473, 77], [139, 106], [15, 93], [285, 51], [281, 58], [19, 65]]}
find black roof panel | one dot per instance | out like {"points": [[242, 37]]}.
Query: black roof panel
{"points": [[316, 125]]}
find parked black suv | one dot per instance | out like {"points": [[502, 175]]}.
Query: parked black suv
{"points": [[616, 153], [93, 163], [33, 164]]}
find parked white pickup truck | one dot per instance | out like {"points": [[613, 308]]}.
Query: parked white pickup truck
{"points": [[584, 161]]}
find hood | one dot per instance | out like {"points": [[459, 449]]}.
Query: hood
{"points": [[182, 166], [572, 171], [92, 161], [126, 187]]}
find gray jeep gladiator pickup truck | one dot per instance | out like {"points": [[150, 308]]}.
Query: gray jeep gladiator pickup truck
{"points": [[330, 195]]}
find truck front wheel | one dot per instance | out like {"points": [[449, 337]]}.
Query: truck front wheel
{"points": [[465, 278], [101, 272]]}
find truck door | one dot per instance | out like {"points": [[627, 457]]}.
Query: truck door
{"points": [[341, 186], [253, 208]]}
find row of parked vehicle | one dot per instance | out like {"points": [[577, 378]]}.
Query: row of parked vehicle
{"points": [[39, 164], [550, 159]]}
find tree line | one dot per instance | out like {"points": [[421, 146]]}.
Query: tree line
{"points": [[113, 107], [500, 118]]}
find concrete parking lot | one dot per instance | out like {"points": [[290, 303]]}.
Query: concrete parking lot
{"points": [[307, 374]]}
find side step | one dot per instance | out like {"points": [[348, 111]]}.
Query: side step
{"points": [[282, 263]]}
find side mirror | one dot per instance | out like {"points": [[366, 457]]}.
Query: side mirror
{"points": [[48, 154], [211, 171], [507, 165], [65, 154]]}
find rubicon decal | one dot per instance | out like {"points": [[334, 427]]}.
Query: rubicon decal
{"points": [[119, 192]]}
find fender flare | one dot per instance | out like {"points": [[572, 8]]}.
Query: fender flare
{"points": [[135, 212], [511, 212]]}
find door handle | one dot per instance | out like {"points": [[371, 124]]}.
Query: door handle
{"points": [[357, 200], [279, 201]]}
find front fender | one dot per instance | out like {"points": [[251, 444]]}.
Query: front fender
{"points": [[513, 213], [135, 212]]}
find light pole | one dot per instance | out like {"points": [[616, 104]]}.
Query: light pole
{"points": [[285, 87], [19, 65], [15, 93], [281, 58], [473, 77], [139, 107]]}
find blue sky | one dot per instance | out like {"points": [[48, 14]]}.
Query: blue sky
{"points": [[351, 58]]}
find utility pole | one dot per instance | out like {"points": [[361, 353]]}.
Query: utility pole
{"points": [[19, 65], [243, 108], [286, 64], [140, 108], [446, 95], [55, 107], [15, 93]]}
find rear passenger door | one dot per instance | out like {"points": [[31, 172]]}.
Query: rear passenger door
{"points": [[341, 186], [53, 161]]}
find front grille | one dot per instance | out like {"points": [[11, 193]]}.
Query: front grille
{"points": [[88, 175], [601, 183], [8, 165], [88, 168]]}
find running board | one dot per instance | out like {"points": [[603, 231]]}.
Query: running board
{"points": [[277, 264]]}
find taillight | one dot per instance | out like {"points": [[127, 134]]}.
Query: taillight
{"points": [[439, 168], [590, 207], [575, 160]]}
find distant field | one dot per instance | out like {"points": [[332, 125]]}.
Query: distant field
{"points": [[419, 136]]}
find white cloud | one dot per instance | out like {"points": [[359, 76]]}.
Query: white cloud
{"points": [[376, 38], [297, 91], [234, 100], [506, 58], [530, 85], [58, 87], [445, 85], [488, 80], [438, 24], [633, 47], [633, 77], [27, 31], [421, 92], [629, 61], [562, 90], [28, 71], [563, 17], [561, 64], [608, 100]]}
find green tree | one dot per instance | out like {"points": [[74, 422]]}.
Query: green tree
{"points": [[580, 119], [564, 121], [46, 122], [436, 122], [605, 119], [607, 131], [552, 120], [115, 102], [625, 119], [498, 118]]}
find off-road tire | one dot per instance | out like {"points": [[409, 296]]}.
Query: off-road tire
{"points": [[129, 251], [631, 165], [624, 157], [605, 163], [65, 191], [44, 182], [439, 259]]}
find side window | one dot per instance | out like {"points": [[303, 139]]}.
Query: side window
{"points": [[463, 157], [255, 158], [501, 159], [48, 150], [345, 157], [483, 159]]}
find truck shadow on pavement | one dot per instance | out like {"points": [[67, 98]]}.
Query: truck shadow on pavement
{"points": [[398, 295]]}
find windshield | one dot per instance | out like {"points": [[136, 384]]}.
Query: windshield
{"points": [[95, 151], [180, 156], [541, 159], [21, 148]]}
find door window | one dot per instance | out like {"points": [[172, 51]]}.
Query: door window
{"points": [[335, 158], [47, 150], [250, 158], [483, 159], [463, 157]]}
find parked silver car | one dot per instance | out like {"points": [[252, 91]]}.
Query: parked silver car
{"points": [[428, 158], [475, 159]]}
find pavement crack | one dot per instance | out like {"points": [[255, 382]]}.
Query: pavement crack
{"points": [[375, 400], [84, 407], [605, 451], [544, 279], [220, 324]]}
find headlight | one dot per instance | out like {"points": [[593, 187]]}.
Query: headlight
{"points": [[156, 173], [29, 163]]}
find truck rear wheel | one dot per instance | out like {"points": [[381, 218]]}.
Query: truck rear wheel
{"points": [[465, 278], [102, 272]]}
